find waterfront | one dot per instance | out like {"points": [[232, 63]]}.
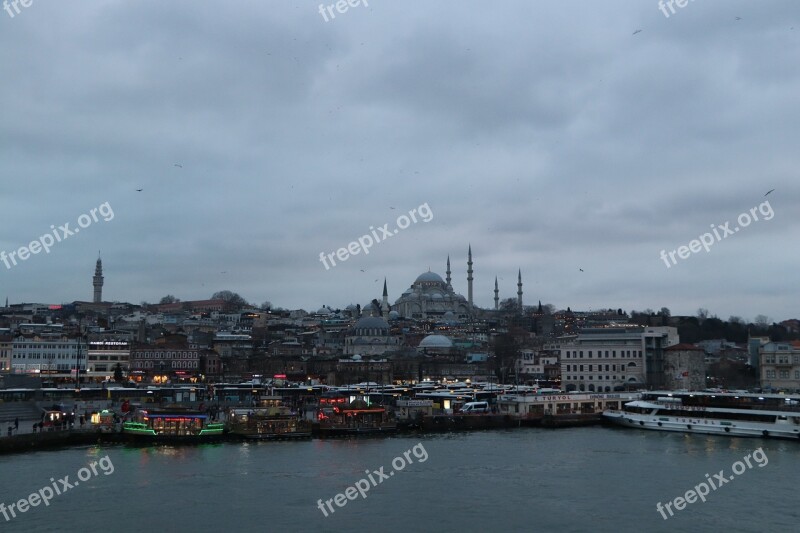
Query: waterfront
{"points": [[581, 479]]}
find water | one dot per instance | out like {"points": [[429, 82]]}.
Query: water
{"points": [[583, 479]]}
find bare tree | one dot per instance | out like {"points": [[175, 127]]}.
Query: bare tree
{"points": [[230, 297]]}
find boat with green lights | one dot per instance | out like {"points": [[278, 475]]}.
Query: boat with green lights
{"points": [[172, 425]]}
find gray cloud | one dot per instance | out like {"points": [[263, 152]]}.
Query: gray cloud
{"points": [[545, 134]]}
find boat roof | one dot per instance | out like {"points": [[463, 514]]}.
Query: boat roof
{"points": [[723, 394], [652, 405]]}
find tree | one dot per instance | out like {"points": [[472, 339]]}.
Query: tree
{"points": [[169, 299], [762, 321], [665, 312], [231, 298], [118, 377], [267, 305], [702, 314], [509, 305], [506, 352]]}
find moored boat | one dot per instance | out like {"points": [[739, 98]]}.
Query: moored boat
{"points": [[172, 425], [271, 420], [337, 417], [734, 414]]}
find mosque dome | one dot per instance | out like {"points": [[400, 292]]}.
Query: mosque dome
{"points": [[394, 315], [436, 341], [371, 322], [370, 309], [429, 276]]}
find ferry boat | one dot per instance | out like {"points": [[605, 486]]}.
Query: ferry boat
{"points": [[338, 415], [553, 408], [714, 413], [172, 425], [271, 420]]}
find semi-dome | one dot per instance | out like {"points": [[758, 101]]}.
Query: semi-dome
{"points": [[436, 341], [430, 276]]}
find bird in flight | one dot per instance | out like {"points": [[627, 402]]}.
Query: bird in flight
{"points": [[637, 31], [769, 191], [391, 208], [580, 269], [139, 190], [179, 166], [738, 18]]}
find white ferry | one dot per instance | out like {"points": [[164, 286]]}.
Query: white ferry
{"points": [[714, 413]]}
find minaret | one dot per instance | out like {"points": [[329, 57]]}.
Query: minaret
{"points": [[519, 290], [496, 295], [449, 285], [385, 302], [469, 277], [97, 281]]}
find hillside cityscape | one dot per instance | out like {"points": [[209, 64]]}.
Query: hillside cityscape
{"points": [[428, 333]]}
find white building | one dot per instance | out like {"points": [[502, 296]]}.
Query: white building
{"points": [[604, 362], [779, 365], [612, 359], [47, 353]]}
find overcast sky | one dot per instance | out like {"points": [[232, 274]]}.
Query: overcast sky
{"points": [[546, 134]]}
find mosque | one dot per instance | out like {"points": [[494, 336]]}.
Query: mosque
{"points": [[431, 297]]}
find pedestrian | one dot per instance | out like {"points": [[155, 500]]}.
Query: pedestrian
{"points": [[9, 430], [34, 427], [16, 423]]}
